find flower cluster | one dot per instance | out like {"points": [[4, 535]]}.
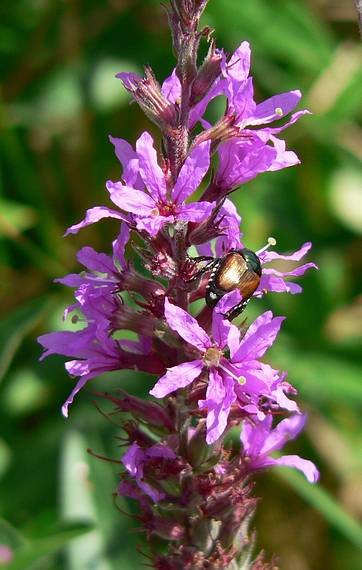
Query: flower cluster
{"points": [[208, 374]]}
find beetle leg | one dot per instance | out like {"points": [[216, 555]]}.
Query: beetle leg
{"points": [[207, 267], [202, 258], [237, 310]]}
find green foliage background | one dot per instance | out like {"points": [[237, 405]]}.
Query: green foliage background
{"points": [[59, 101]]}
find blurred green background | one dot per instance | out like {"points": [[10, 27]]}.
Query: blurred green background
{"points": [[59, 101]]}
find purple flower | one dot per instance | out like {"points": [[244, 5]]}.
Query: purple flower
{"points": [[277, 281], [238, 378], [100, 311], [260, 440], [171, 91], [227, 223], [135, 460], [240, 92], [103, 271], [146, 197], [272, 280], [95, 351], [242, 159]]}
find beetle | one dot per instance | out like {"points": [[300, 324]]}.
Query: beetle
{"points": [[237, 269]]}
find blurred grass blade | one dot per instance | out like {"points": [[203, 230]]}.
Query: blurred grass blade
{"points": [[320, 499], [10, 536], [16, 326], [39, 548], [77, 501], [321, 378]]}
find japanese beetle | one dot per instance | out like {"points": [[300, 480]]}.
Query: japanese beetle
{"points": [[237, 269]]}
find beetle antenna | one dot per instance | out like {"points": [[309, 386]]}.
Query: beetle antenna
{"points": [[271, 242]]}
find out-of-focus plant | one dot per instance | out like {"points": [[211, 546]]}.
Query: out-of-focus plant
{"points": [[59, 102]]}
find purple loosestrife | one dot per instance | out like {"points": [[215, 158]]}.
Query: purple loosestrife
{"points": [[207, 374]]}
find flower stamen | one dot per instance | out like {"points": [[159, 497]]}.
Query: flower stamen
{"points": [[271, 243]]}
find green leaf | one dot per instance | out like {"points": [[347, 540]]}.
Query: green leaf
{"points": [[320, 378], [15, 327], [77, 501], [19, 216], [10, 536], [33, 552], [321, 500]]}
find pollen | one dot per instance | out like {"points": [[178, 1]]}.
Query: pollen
{"points": [[155, 212], [212, 357], [279, 111]]}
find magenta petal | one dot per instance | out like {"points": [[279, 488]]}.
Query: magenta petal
{"points": [[129, 160], [228, 302], [95, 261], [129, 79], [274, 108], [277, 285], [71, 280], [283, 401], [241, 161], [285, 430], [229, 223], [205, 249], [304, 465], [253, 436], [119, 245], [92, 216], [219, 399], [132, 458], [263, 319], [80, 384], [238, 66], [151, 172], [195, 211], [130, 199], [292, 120], [67, 343], [152, 224], [220, 329], [171, 88], [241, 99], [258, 343], [186, 326], [199, 109], [284, 158], [268, 256], [297, 272], [192, 172], [177, 377]]}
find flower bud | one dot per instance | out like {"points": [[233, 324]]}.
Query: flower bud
{"points": [[140, 323], [164, 528], [208, 72], [224, 130], [147, 92], [199, 454], [150, 412], [204, 533], [131, 280]]}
